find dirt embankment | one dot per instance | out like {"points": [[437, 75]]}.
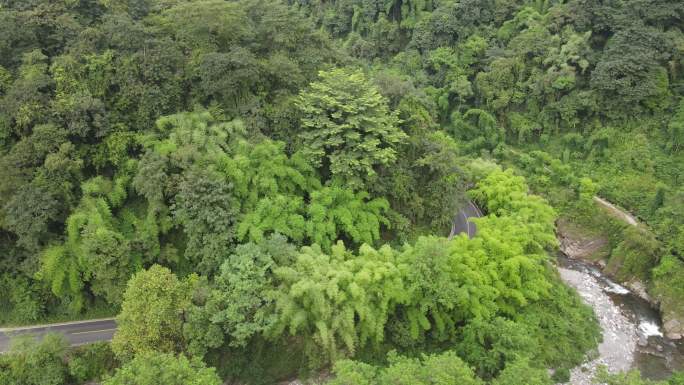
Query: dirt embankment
{"points": [[578, 244]]}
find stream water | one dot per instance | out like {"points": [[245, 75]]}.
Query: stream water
{"points": [[632, 336]]}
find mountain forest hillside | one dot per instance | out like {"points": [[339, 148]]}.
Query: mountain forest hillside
{"points": [[262, 190]]}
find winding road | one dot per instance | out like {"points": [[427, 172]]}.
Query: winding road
{"points": [[462, 223], [76, 333], [85, 332]]}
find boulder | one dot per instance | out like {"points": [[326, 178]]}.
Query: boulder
{"points": [[673, 328], [637, 287]]}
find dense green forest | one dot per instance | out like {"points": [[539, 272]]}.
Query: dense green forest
{"points": [[261, 189]]}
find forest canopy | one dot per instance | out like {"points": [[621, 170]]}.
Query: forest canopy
{"points": [[263, 189]]}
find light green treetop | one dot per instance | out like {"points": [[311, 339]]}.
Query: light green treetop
{"points": [[151, 317], [153, 368]]}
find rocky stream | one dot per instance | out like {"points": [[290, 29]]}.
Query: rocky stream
{"points": [[632, 334]]}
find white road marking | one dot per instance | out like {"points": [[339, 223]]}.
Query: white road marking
{"points": [[477, 210], [93, 331], [22, 328], [467, 223]]}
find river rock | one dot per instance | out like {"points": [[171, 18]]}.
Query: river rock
{"points": [[620, 336], [642, 341], [673, 328], [637, 287]]}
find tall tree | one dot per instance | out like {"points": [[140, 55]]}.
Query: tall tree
{"points": [[241, 302], [152, 313], [347, 128]]}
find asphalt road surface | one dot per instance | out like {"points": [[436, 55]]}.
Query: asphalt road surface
{"points": [[77, 333], [462, 223]]}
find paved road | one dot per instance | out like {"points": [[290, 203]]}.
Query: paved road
{"points": [[462, 224], [77, 333]]}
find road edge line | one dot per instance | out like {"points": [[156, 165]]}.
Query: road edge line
{"points": [[4, 330]]}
